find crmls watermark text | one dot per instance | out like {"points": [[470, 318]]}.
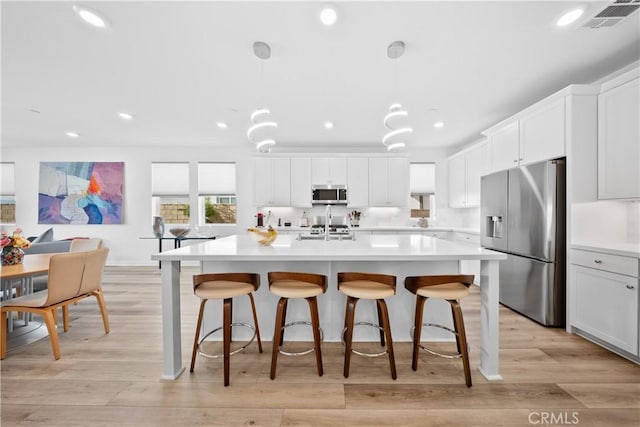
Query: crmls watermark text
{"points": [[553, 418]]}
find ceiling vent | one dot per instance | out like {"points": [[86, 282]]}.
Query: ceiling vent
{"points": [[613, 14]]}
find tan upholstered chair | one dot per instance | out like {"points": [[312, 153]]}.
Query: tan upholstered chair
{"points": [[224, 286], [369, 286], [296, 285], [451, 288], [72, 277], [84, 245]]}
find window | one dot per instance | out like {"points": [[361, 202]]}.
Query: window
{"points": [[422, 182], [217, 193], [7, 193], [170, 192]]}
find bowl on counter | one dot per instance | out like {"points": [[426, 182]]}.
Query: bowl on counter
{"points": [[179, 231]]}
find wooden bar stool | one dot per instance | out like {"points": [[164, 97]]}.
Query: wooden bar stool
{"points": [[225, 286], [296, 285], [370, 286], [452, 289]]}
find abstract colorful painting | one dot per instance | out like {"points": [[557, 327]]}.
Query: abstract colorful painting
{"points": [[80, 193]]}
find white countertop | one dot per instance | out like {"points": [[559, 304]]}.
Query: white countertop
{"points": [[401, 247], [624, 249]]}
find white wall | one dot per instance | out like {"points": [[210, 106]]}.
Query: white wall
{"points": [[124, 240]]}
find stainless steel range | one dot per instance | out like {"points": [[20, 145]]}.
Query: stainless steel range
{"points": [[337, 229]]}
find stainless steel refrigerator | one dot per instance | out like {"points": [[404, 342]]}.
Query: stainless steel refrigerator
{"points": [[523, 215]]}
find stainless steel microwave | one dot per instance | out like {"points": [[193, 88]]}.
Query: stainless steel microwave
{"points": [[329, 195]]}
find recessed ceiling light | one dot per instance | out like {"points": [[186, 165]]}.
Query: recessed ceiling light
{"points": [[125, 116], [569, 17], [90, 17], [328, 16], [72, 134], [438, 125], [222, 125], [328, 125]]}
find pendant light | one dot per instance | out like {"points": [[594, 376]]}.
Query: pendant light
{"points": [[260, 117], [395, 138]]}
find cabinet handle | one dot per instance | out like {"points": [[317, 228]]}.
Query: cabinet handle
{"points": [[521, 159], [630, 287], [515, 161], [597, 261]]}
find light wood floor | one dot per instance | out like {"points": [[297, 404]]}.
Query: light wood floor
{"points": [[114, 379]]}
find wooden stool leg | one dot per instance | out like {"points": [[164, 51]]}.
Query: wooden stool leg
{"points": [[387, 331], [65, 317], [277, 335], [226, 332], [380, 324], [351, 308], [417, 331], [231, 321], [3, 332], [463, 341], [195, 340], [103, 310], [255, 321], [284, 320], [315, 325], [455, 326]]}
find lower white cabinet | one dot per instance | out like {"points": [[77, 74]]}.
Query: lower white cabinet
{"points": [[604, 303]]}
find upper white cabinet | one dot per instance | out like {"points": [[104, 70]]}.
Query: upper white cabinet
{"points": [[301, 182], [329, 170], [465, 170], [358, 182], [388, 181], [537, 134], [619, 140], [542, 133], [272, 181], [503, 143]]}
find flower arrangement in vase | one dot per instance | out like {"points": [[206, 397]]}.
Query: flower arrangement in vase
{"points": [[12, 246]]}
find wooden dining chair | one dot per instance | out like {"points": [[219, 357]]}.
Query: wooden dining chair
{"points": [[84, 245], [72, 277]]}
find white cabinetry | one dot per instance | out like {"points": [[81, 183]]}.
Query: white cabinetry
{"points": [[465, 170], [301, 182], [538, 134], [329, 171], [389, 181], [272, 181], [358, 182], [619, 140], [604, 298], [503, 145]]}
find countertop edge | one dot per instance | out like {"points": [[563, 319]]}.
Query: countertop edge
{"points": [[612, 249]]}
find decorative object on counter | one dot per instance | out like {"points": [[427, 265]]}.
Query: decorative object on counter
{"points": [[259, 219], [423, 222], [179, 231], [279, 222], [158, 226], [204, 231], [265, 238], [354, 218], [287, 224], [304, 221], [394, 51], [12, 245]]}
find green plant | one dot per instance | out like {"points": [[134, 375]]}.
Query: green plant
{"points": [[185, 209], [210, 212]]}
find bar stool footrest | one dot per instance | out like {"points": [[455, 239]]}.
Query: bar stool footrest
{"points": [[361, 353], [435, 353], [238, 350], [300, 353]]}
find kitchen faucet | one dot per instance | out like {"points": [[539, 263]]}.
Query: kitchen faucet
{"points": [[327, 222]]}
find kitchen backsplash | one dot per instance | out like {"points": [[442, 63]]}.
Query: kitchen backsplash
{"points": [[606, 221]]}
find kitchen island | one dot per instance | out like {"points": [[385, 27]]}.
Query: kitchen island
{"points": [[400, 255]]}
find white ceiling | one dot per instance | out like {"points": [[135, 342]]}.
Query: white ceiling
{"points": [[179, 67]]}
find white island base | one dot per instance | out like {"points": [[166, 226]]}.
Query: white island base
{"points": [[401, 256]]}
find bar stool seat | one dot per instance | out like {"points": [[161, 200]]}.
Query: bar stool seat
{"points": [[451, 288], [295, 289], [448, 291], [366, 289], [224, 286], [296, 285]]}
